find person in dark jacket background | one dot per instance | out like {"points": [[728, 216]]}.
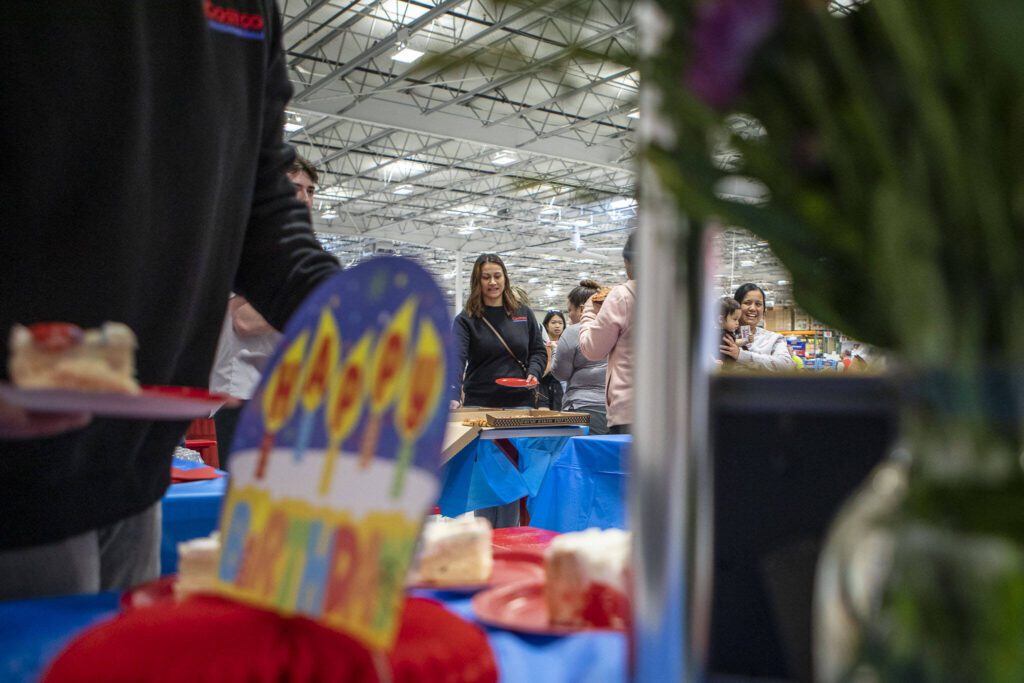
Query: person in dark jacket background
{"points": [[493, 318]]}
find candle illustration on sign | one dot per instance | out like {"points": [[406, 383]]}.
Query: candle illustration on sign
{"points": [[425, 373], [385, 371], [280, 396], [316, 375], [345, 404]]}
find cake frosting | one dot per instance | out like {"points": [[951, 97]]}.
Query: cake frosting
{"points": [[587, 578], [455, 552], [64, 356]]}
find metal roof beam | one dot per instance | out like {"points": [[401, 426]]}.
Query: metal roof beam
{"points": [[533, 67], [382, 46], [462, 129]]}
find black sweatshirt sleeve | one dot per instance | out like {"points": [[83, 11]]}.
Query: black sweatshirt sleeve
{"points": [[281, 258]]}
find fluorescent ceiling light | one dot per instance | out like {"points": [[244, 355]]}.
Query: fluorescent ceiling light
{"points": [[403, 189], [504, 158], [782, 282], [635, 114], [400, 169], [329, 215], [549, 210], [406, 55], [334, 192], [584, 274], [533, 280], [290, 127], [622, 203]]}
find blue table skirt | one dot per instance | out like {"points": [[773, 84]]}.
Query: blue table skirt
{"points": [[586, 486], [33, 632], [190, 510], [481, 475]]}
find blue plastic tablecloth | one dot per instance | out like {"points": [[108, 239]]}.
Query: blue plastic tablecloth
{"points": [[190, 510], [585, 486], [33, 632], [481, 475]]}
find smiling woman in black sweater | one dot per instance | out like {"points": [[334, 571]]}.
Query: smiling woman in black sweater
{"points": [[491, 303]]}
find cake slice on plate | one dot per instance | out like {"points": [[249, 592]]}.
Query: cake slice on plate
{"points": [[587, 578], [64, 356], [455, 552]]}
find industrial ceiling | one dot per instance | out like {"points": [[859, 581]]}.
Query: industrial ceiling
{"points": [[512, 131]]}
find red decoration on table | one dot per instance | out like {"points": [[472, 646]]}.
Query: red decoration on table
{"points": [[208, 638]]}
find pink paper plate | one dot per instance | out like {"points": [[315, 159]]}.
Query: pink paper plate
{"points": [[515, 382], [521, 607], [510, 566], [153, 403]]}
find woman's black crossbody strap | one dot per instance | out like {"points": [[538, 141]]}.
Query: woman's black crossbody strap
{"points": [[505, 344]]}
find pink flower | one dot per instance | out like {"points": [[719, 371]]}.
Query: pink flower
{"points": [[727, 33]]}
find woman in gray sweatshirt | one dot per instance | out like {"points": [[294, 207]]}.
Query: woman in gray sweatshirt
{"points": [[585, 379]]}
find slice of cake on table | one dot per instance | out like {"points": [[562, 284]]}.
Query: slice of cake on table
{"points": [[64, 356], [455, 552], [587, 578], [197, 565]]}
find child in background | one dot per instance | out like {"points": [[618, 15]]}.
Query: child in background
{"points": [[729, 321]]}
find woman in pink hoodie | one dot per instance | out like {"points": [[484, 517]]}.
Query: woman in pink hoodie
{"points": [[606, 331]]}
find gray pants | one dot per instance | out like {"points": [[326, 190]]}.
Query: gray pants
{"points": [[598, 420], [114, 557], [501, 516]]}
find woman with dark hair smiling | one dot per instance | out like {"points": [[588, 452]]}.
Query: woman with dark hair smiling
{"points": [[497, 337], [764, 350]]}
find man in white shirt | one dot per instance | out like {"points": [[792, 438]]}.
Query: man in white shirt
{"points": [[247, 340]]}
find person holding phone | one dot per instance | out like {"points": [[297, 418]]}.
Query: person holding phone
{"points": [[764, 349]]}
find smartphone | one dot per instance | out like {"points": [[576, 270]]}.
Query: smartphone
{"points": [[743, 335]]}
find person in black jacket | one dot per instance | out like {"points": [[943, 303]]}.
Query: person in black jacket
{"points": [[497, 337], [167, 166]]}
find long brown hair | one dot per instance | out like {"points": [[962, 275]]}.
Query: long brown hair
{"points": [[475, 302]]}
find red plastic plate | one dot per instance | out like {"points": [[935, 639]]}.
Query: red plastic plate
{"points": [[522, 538], [520, 607], [515, 382], [150, 593], [510, 566]]}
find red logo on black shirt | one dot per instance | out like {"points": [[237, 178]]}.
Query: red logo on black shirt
{"points": [[519, 318], [230, 20]]}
